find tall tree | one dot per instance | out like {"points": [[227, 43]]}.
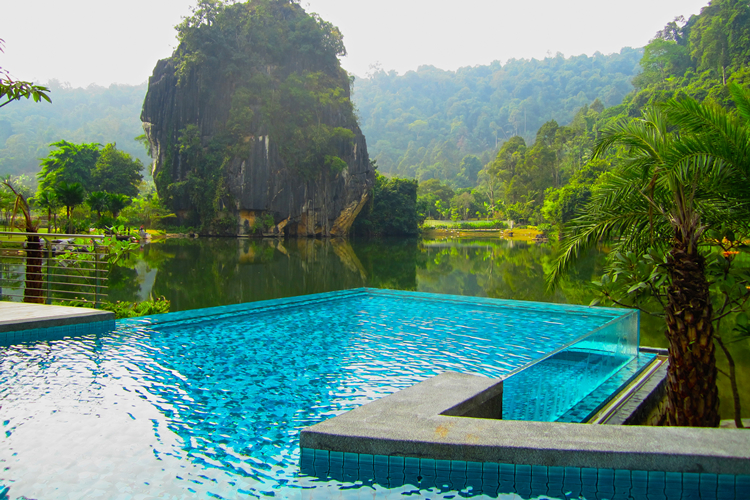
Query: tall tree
{"points": [[98, 201], [673, 187], [70, 196], [116, 172], [69, 163], [720, 36], [47, 200], [116, 202]]}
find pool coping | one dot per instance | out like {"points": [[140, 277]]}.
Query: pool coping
{"points": [[413, 423], [20, 316]]}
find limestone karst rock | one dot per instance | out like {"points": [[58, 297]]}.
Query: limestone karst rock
{"points": [[251, 126]]}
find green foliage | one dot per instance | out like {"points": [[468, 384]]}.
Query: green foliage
{"points": [[69, 163], [123, 310], [46, 200], [392, 210], [98, 202], [70, 196], [116, 202], [15, 90], [662, 59], [679, 192], [434, 199], [696, 57], [262, 223], [147, 210], [423, 123], [116, 171], [90, 115], [160, 305], [203, 183], [294, 115], [288, 95]]}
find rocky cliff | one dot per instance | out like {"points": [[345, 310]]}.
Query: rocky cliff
{"points": [[251, 125]]}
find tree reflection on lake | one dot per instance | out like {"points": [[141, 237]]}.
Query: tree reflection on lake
{"points": [[210, 272]]}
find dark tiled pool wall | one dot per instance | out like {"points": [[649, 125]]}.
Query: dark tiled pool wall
{"points": [[426, 476], [56, 332]]}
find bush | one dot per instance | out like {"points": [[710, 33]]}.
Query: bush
{"points": [[484, 225], [496, 224], [392, 210], [135, 309], [223, 226], [125, 309]]}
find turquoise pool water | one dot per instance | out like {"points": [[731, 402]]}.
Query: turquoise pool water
{"points": [[209, 403]]}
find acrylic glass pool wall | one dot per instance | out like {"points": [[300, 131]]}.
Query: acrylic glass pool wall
{"points": [[545, 390]]}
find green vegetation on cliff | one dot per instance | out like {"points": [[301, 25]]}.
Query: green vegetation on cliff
{"points": [[261, 75], [392, 209]]}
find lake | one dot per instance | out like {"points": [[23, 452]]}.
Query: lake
{"points": [[206, 272]]}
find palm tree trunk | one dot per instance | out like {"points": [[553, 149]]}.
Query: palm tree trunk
{"points": [[692, 394]]}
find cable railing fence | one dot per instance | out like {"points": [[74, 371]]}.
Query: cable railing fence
{"points": [[44, 268]]}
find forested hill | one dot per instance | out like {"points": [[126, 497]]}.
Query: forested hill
{"points": [[421, 124], [94, 114]]}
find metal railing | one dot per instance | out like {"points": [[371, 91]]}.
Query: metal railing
{"points": [[42, 267]]}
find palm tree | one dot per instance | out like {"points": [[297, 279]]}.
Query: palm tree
{"points": [[116, 202], [70, 195], [674, 185], [46, 199], [98, 202]]}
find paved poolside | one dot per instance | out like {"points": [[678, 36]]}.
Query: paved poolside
{"points": [[19, 316]]}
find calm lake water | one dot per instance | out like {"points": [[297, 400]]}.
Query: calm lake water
{"points": [[210, 272]]}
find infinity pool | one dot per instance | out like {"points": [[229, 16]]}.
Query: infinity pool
{"points": [[209, 403]]}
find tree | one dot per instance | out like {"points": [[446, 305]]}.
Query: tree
{"points": [[470, 167], [47, 200], [392, 211], [33, 292], [508, 164], [15, 90], [70, 196], [98, 202], [720, 36], [69, 163], [116, 172], [674, 187], [116, 202], [662, 59]]}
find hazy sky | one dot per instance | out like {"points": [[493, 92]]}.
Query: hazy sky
{"points": [[107, 41]]}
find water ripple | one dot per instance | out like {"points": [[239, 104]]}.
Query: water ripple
{"points": [[214, 408]]}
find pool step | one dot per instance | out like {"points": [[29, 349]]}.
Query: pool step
{"points": [[635, 400]]}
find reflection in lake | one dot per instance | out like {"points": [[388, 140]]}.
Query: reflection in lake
{"points": [[218, 271]]}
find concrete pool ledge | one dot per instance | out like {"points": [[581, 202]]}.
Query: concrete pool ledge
{"points": [[18, 317], [433, 420]]}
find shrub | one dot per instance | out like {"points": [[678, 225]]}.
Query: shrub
{"points": [[134, 309], [125, 309]]}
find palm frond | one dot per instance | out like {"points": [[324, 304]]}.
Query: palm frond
{"points": [[741, 99]]}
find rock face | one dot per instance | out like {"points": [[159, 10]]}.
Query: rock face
{"points": [[263, 141]]}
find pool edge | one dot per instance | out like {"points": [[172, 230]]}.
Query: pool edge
{"points": [[401, 425]]}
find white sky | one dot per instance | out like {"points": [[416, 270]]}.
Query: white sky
{"points": [[108, 41]]}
